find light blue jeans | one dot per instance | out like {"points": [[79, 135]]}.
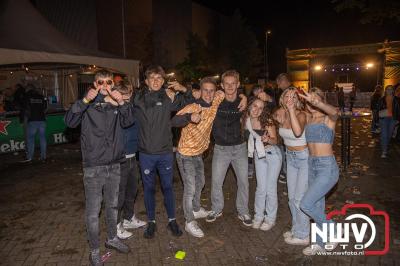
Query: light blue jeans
{"points": [[224, 156], [267, 173], [387, 126], [323, 174], [297, 182], [33, 127]]}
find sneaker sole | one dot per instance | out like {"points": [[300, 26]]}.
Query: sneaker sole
{"points": [[217, 216], [133, 227], [119, 250], [193, 234]]}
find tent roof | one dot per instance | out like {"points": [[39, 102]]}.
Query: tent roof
{"points": [[27, 37]]}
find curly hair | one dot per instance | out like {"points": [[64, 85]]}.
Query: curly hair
{"points": [[265, 117]]}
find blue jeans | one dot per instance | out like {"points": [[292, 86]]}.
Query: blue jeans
{"points": [[297, 182], [375, 121], [192, 173], [96, 180], [267, 173], [223, 156], [387, 126], [33, 127], [149, 165], [323, 174]]}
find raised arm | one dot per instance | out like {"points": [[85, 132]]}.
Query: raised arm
{"points": [[330, 110], [297, 119]]}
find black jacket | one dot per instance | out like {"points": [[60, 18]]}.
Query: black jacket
{"points": [[227, 127], [153, 112], [102, 136], [35, 107]]}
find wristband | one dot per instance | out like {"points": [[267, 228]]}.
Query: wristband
{"points": [[85, 101]]}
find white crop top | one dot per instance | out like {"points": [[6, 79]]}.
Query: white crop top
{"points": [[290, 139]]}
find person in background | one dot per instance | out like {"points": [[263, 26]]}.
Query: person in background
{"points": [[386, 119], [283, 82], [396, 113], [374, 105], [35, 111], [353, 96], [340, 98]]}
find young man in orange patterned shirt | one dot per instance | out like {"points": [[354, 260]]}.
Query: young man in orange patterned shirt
{"points": [[197, 120]]}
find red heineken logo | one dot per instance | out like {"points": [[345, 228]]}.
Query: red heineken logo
{"points": [[3, 127]]}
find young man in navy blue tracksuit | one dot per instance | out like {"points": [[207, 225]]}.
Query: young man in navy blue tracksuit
{"points": [[153, 107]]}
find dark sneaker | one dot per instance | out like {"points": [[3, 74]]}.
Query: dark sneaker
{"points": [[118, 245], [95, 258], [212, 216], [246, 219], [174, 228], [150, 229]]}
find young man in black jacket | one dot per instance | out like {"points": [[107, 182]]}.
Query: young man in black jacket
{"points": [[153, 107], [102, 144], [35, 112]]}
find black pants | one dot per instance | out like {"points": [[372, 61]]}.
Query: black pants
{"points": [[128, 188]]}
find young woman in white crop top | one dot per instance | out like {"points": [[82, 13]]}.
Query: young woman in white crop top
{"points": [[292, 120]]}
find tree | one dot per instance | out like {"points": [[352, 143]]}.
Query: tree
{"points": [[234, 45], [373, 11]]}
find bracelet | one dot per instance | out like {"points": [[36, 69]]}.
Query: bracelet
{"points": [[85, 101]]}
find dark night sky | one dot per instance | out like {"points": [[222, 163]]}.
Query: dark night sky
{"points": [[303, 24]]}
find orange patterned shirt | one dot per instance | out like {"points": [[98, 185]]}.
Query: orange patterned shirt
{"points": [[195, 138]]}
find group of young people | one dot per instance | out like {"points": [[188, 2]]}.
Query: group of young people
{"points": [[115, 125]]}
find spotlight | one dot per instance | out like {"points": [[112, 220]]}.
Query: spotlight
{"points": [[317, 67], [368, 65]]}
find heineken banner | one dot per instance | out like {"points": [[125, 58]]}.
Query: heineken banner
{"points": [[12, 136]]}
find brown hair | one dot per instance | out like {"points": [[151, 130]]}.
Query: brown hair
{"points": [[317, 91], [103, 74], [210, 80], [124, 87], [265, 117], [154, 70], [231, 73]]}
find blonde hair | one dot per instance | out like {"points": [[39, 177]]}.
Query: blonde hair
{"points": [[299, 104], [230, 73]]}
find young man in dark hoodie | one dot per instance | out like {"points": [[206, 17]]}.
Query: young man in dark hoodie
{"points": [[153, 107], [102, 144]]}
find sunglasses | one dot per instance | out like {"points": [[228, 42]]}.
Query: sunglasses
{"points": [[101, 82]]}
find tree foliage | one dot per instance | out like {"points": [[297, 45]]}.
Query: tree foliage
{"points": [[372, 11], [233, 45]]}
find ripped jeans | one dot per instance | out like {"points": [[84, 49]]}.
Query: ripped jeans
{"points": [[149, 165]]}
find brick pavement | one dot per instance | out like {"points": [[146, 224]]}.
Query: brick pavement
{"points": [[42, 215]]}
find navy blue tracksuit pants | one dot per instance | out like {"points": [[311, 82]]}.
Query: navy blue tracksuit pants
{"points": [[149, 165]]}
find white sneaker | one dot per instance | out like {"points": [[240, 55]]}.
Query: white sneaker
{"points": [[194, 229], [256, 224], [288, 234], [297, 241], [202, 213], [122, 233], [312, 250], [133, 223], [265, 226]]}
